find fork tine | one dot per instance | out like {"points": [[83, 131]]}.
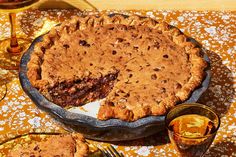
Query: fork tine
{"points": [[106, 153], [114, 151], [118, 153], [111, 151]]}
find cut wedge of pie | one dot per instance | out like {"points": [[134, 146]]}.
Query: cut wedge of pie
{"points": [[64, 145]]}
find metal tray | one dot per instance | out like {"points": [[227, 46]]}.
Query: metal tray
{"points": [[92, 128]]}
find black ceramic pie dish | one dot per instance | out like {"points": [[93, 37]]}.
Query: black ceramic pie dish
{"points": [[109, 130]]}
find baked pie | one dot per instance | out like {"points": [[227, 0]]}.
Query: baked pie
{"points": [[140, 66]]}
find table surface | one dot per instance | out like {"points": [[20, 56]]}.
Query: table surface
{"points": [[215, 30]]}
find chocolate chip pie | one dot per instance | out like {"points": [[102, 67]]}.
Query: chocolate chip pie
{"points": [[140, 66]]}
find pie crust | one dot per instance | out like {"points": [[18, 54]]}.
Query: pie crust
{"points": [[140, 66]]}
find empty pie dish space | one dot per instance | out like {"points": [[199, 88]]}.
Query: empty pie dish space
{"points": [[84, 119]]}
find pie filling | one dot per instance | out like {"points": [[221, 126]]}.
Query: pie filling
{"points": [[80, 92], [140, 66]]}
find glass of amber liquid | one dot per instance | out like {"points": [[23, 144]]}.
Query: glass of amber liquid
{"points": [[192, 128]]}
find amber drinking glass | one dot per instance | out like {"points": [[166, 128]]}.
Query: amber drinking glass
{"points": [[192, 128], [12, 48]]}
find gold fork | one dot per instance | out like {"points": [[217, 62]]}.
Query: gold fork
{"points": [[108, 151]]}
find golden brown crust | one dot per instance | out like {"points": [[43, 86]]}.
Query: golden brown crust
{"points": [[64, 145], [82, 148], [139, 104]]}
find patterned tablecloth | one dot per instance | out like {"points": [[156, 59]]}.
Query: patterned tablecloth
{"points": [[216, 31]]}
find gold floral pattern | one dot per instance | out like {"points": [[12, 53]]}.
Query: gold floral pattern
{"points": [[215, 30]]}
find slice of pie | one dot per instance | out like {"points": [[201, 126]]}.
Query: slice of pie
{"points": [[140, 66], [65, 145]]}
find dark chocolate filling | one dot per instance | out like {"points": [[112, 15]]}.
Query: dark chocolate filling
{"points": [[80, 92]]}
